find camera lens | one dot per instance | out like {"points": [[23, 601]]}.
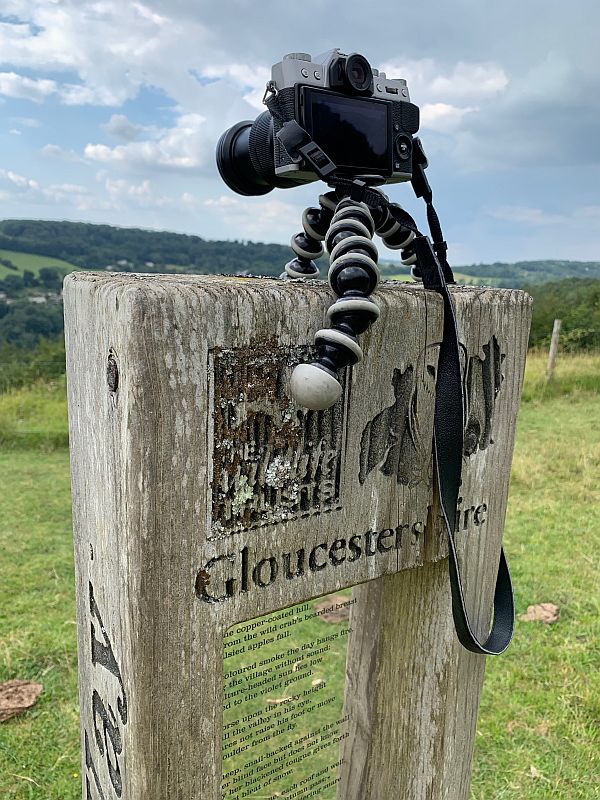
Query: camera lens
{"points": [[359, 73], [245, 158], [235, 164]]}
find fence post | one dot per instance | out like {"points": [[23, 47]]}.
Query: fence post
{"points": [[553, 350], [211, 517]]}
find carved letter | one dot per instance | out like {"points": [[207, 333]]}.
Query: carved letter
{"points": [[102, 654], [110, 731], [89, 764]]}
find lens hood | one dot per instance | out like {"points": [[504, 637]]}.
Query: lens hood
{"points": [[234, 162]]}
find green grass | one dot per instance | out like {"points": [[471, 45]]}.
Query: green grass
{"points": [[540, 713], [32, 262], [39, 752], [538, 727], [34, 417], [469, 280]]}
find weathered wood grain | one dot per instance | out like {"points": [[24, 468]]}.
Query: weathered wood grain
{"points": [[197, 460]]}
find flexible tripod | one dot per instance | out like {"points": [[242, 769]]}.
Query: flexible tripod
{"points": [[347, 219], [347, 225]]}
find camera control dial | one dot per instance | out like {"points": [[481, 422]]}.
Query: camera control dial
{"points": [[298, 56]]}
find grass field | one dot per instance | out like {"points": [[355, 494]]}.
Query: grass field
{"points": [[538, 733], [31, 262], [468, 280]]}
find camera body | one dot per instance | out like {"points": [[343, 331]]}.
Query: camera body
{"points": [[361, 119], [362, 122]]}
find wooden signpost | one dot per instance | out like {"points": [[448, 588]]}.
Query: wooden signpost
{"points": [[263, 598]]}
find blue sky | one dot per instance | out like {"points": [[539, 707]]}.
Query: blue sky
{"points": [[110, 113]]}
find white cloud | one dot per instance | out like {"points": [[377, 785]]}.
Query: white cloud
{"points": [[256, 218], [252, 80], [188, 200], [527, 215], [590, 212], [113, 49], [186, 147], [449, 96], [126, 195], [123, 193], [26, 122], [571, 224], [19, 181], [443, 116], [28, 189], [224, 201], [35, 89], [432, 82], [468, 82], [56, 151], [122, 128]]}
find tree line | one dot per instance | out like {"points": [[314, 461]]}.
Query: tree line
{"points": [[99, 246], [33, 345], [576, 303], [31, 333]]}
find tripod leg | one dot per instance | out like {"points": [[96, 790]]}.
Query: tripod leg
{"points": [[353, 276], [307, 244]]}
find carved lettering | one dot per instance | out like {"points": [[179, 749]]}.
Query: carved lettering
{"points": [[106, 726], [110, 731], [216, 581], [482, 380], [102, 654], [90, 767]]}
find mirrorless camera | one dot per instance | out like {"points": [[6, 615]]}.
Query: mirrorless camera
{"points": [[362, 120]]}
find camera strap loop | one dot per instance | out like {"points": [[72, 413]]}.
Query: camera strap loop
{"points": [[448, 454], [270, 92]]}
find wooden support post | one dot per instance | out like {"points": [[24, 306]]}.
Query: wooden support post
{"points": [[204, 499], [553, 349]]}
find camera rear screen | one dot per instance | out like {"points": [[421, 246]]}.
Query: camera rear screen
{"points": [[352, 131]]}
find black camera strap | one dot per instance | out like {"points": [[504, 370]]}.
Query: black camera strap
{"points": [[433, 269], [448, 454]]}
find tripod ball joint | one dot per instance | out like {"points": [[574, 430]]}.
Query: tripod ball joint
{"points": [[353, 276], [314, 388]]}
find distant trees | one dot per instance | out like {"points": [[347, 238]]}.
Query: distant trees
{"points": [[576, 303], [49, 279], [96, 246], [24, 324], [527, 273], [22, 366], [31, 333]]}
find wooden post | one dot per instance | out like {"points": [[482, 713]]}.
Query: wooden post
{"points": [[204, 499], [553, 349]]}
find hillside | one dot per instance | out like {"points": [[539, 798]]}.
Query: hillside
{"points": [[131, 249], [76, 245], [526, 273], [35, 255], [15, 263]]}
